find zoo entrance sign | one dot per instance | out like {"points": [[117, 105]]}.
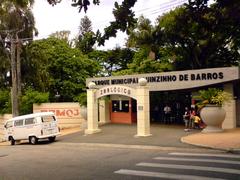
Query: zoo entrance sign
{"points": [[116, 89], [173, 80]]}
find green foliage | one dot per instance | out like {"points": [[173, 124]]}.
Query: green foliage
{"points": [[29, 98], [5, 101], [112, 61], [53, 66], [86, 42], [142, 64], [124, 20], [203, 36], [82, 99], [4, 67], [86, 37], [212, 96]]}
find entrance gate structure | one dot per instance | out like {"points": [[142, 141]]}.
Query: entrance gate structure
{"points": [[138, 87], [140, 93]]}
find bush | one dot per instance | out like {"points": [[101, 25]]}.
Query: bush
{"points": [[82, 99], [5, 101], [29, 98]]}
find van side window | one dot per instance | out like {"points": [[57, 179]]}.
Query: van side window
{"points": [[48, 118], [18, 123], [29, 121], [9, 124]]}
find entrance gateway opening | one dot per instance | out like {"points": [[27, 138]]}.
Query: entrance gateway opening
{"points": [[138, 99], [123, 109]]}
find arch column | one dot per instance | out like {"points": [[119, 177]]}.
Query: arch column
{"points": [[92, 112], [143, 115], [104, 114]]}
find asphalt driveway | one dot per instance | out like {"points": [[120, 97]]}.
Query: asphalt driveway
{"points": [[162, 135]]}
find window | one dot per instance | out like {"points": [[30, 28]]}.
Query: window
{"points": [[125, 106], [120, 106], [9, 124], [29, 121], [18, 123], [48, 118], [115, 106]]}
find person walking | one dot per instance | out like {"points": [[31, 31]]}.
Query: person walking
{"points": [[167, 112], [186, 118], [192, 117]]}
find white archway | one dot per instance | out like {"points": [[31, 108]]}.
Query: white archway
{"points": [[141, 94]]}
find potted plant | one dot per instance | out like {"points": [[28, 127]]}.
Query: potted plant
{"points": [[211, 111]]}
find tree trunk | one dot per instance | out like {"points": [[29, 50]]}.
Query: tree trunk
{"points": [[152, 55], [18, 60], [14, 91]]}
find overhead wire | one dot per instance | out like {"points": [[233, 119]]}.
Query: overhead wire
{"points": [[161, 8]]}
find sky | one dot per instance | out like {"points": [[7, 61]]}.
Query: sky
{"points": [[63, 16]]}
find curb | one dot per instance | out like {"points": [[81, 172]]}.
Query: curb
{"points": [[229, 150], [139, 147]]}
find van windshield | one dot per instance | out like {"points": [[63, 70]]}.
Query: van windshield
{"points": [[48, 118]]}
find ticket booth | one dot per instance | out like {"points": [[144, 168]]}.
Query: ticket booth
{"points": [[123, 110]]}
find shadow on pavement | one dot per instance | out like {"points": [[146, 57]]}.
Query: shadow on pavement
{"points": [[162, 135]]}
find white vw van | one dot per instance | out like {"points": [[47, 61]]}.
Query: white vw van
{"points": [[32, 127]]}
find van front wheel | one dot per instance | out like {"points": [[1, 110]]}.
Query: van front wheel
{"points": [[12, 141], [52, 139], [33, 140]]}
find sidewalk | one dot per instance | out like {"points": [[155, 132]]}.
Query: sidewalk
{"points": [[63, 132], [228, 140]]}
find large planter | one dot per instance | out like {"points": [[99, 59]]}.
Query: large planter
{"points": [[213, 116]]}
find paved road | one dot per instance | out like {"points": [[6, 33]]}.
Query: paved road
{"points": [[113, 154], [187, 166], [74, 161]]}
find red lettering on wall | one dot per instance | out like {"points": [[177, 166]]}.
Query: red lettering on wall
{"points": [[69, 113], [60, 112], [76, 112]]}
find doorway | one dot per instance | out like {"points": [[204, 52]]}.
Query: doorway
{"points": [[176, 100]]}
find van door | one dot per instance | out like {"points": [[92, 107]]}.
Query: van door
{"points": [[19, 129], [49, 125], [31, 127]]}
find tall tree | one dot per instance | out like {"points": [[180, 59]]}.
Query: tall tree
{"points": [[86, 37], [144, 35], [202, 36], [52, 65], [16, 24]]}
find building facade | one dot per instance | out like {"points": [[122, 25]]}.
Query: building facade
{"points": [[141, 98]]}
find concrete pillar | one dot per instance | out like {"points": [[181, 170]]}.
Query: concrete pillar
{"points": [[143, 115], [92, 112], [104, 114], [230, 107]]}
